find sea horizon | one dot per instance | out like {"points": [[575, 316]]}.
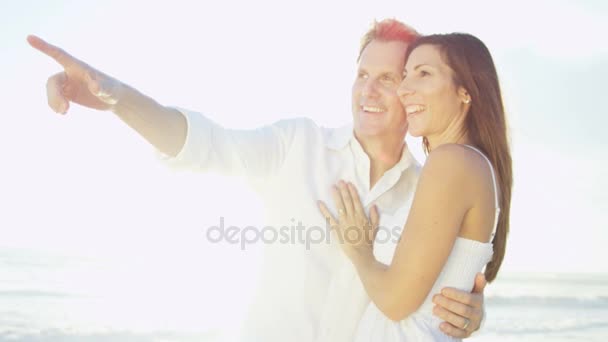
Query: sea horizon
{"points": [[50, 297]]}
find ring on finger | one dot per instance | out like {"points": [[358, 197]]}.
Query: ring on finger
{"points": [[466, 324]]}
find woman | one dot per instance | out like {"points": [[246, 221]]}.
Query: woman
{"points": [[459, 218]]}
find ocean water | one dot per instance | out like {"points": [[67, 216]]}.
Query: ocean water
{"points": [[48, 297], [549, 306]]}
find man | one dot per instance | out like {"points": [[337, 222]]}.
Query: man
{"points": [[308, 291]]}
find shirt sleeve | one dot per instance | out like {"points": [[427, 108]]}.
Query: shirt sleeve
{"points": [[209, 147]]}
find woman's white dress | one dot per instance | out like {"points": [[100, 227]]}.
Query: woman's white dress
{"points": [[468, 257]]}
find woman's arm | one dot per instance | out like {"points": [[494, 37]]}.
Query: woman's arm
{"points": [[440, 204]]}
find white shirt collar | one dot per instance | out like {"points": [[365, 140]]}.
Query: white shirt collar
{"points": [[340, 137]]}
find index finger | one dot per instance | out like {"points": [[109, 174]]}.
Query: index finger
{"points": [[325, 212], [56, 53], [356, 200], [464, 297]]}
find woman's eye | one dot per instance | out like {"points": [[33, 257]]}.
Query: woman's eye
{"points": [[424, 73]]}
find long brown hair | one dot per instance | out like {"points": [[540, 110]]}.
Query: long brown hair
{"points": [[485, 123]]}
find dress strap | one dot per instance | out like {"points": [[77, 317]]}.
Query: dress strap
{"points": [[496, 206]]}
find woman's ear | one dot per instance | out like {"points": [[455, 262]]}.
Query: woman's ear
{"points": [[464, 96]]}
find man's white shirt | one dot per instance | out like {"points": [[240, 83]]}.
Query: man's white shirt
{"points": [[308, 290]]}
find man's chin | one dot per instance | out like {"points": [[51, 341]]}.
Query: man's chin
{"points": [[369, 132], [364, 132]]}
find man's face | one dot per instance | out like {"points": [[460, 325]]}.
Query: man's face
{"points": [[377, 111]]}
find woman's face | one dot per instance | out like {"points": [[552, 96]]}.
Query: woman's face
{"points": [[431, 100]]}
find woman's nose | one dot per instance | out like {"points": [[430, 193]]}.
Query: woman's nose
{"points": [[404, 90]]}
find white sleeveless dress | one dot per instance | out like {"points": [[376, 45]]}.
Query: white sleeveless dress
{"points": [[468, 257]]}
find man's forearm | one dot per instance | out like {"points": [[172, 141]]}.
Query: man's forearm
{"points": [[163, 127]]}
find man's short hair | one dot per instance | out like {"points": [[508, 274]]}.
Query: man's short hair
{"points": [[388, 30]]}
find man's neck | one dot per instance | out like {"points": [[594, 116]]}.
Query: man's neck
{"points": [[383, 155]]}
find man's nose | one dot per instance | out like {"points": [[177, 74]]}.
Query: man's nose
{"points": [[370, 88]]}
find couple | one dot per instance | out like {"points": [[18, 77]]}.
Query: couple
{"points": [[448, 93]]}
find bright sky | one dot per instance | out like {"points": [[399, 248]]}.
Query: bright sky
{"points": [[86, 184]]}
